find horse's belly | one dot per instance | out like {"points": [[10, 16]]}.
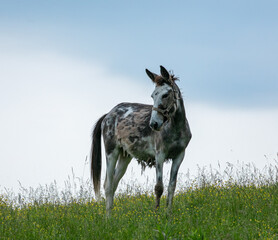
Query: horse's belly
{"points": [[142, 149]]}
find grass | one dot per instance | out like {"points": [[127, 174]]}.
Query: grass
{"points": [[240, 203]]}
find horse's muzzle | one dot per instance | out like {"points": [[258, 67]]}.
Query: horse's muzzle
{"points": [[155, 126]]}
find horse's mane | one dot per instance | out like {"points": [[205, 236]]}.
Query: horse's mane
{"points": [[159, 80]]}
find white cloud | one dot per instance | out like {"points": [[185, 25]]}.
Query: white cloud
{"points": [[49, 104], [231, 135]]}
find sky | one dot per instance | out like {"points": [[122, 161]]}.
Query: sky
{"points": [[63, 64]]}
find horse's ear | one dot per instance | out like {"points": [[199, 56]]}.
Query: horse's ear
{"points": [[164, 73], [151, 75]]}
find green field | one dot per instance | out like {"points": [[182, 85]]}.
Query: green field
{"points": [[208, 208]]}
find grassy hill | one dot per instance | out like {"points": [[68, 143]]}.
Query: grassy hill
{"points": [[208, 208]]}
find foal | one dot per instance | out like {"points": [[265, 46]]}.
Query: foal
{"points": [[150, 134]]}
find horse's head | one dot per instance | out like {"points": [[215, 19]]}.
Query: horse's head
{"points": [[165, 98]]}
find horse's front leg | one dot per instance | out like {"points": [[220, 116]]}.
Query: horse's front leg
{"points": [[173, 179], [159, 178]]}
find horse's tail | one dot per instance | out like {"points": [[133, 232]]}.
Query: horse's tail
{"points": [[96, 156]]}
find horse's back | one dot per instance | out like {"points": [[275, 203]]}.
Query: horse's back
{"points": [[127, 126]]}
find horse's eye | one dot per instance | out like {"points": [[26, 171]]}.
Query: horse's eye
{"points": [[165, 95]]}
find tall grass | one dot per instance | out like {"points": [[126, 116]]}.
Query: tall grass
{"points": [[238, 202]]}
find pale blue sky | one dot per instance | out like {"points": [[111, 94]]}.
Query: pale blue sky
{"points": [[225, 52]]}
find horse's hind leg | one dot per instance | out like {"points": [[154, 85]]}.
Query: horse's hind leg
{"points": [[122, 164], [111, 161]]}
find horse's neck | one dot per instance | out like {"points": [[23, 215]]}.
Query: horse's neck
{"points": [[178, 120]]}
